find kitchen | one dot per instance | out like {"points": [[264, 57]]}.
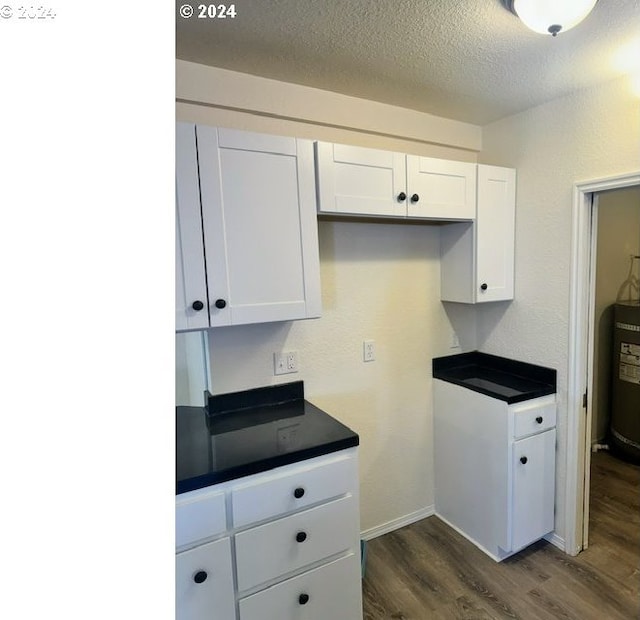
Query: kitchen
{"points": [[369, 271]]}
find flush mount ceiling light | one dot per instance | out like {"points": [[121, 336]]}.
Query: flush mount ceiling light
{"points": [[550, 16]]}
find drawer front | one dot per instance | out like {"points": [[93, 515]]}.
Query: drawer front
{"points": [[199, 516], [204, 583], [268, 551], [331, 592], [283, 492], [535, 419]]}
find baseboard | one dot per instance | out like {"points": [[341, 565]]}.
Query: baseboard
{"points": [[556, 541], [395, 524]]}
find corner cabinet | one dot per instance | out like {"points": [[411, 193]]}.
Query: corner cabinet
{"points": [[477, 259], [277, 545], [370, 182], [246, 230]]}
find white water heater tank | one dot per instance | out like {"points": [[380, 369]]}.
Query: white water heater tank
{"points": [[624, 437]]}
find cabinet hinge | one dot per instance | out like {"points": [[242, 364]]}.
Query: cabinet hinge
{"points": [[584, 400]]}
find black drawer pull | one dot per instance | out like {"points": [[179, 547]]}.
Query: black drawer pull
{"points": [[402, 197], [484, 286], [523, 460], [200, 576], [301, 536], [303, 599], [298, 493], [539, 419], [197, 305], [415, 198], [220, 304]]}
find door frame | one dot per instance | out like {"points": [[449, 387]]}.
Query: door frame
{"points": [[580, 353]]}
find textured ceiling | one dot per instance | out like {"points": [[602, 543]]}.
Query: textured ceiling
{"points": [[469, 60]]}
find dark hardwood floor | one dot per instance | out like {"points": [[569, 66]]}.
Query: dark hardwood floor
{"points": [[427, 570]]}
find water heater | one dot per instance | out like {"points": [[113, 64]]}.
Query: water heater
{"points": [[624, 438]]}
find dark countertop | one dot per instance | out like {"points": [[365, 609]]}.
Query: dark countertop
{"points": [[244, 433], [499, 377]]}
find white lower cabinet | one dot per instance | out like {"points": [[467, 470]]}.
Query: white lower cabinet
{"points": [[204, 582], [319, 594], [282, 544], [494, 467]]}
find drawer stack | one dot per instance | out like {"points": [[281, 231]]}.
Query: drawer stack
{"points": [[291, 536]]}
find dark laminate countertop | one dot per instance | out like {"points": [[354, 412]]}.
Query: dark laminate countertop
{"points": [[248, 432], [499, 377]]}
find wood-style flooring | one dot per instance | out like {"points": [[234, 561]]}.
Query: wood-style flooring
{"points": [[427, 570]]}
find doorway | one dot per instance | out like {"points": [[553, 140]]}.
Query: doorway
{"points": [[581, 353], [614, 269]]}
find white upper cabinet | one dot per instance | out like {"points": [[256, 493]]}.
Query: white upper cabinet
{"points": [[259, 234], [440, 189], [495, 232], [477, 259], [371, 182], [191, 283], [359, 181]]}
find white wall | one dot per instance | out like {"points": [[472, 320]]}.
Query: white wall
{"points": [[589, 134], [618, 239], [192, 369], [380, 281]]}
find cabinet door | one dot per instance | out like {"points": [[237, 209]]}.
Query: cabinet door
{"points": [[360, 181], [204, 583], [191, 285], [533, 467], [440, 189], [259, 224], [477, 258], [495, 233]]}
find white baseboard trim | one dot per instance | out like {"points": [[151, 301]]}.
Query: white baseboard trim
{"points": [[395, 524], [493, 556], [556, 541]]}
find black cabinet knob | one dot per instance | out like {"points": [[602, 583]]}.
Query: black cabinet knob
{"points": [[298, 493], [539, 419], [200, 576], [484, 286], [402, 197], [220, 303], [523, 460], [415, 198], [301, 536], [197, 305], [303, 599]]}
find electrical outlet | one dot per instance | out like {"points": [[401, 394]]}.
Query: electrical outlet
{"points": [[368, 351], [292, 361], [455, 342], [285, 362]]}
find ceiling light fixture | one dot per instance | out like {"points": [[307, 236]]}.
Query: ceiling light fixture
{"points": [[550, 16]]}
